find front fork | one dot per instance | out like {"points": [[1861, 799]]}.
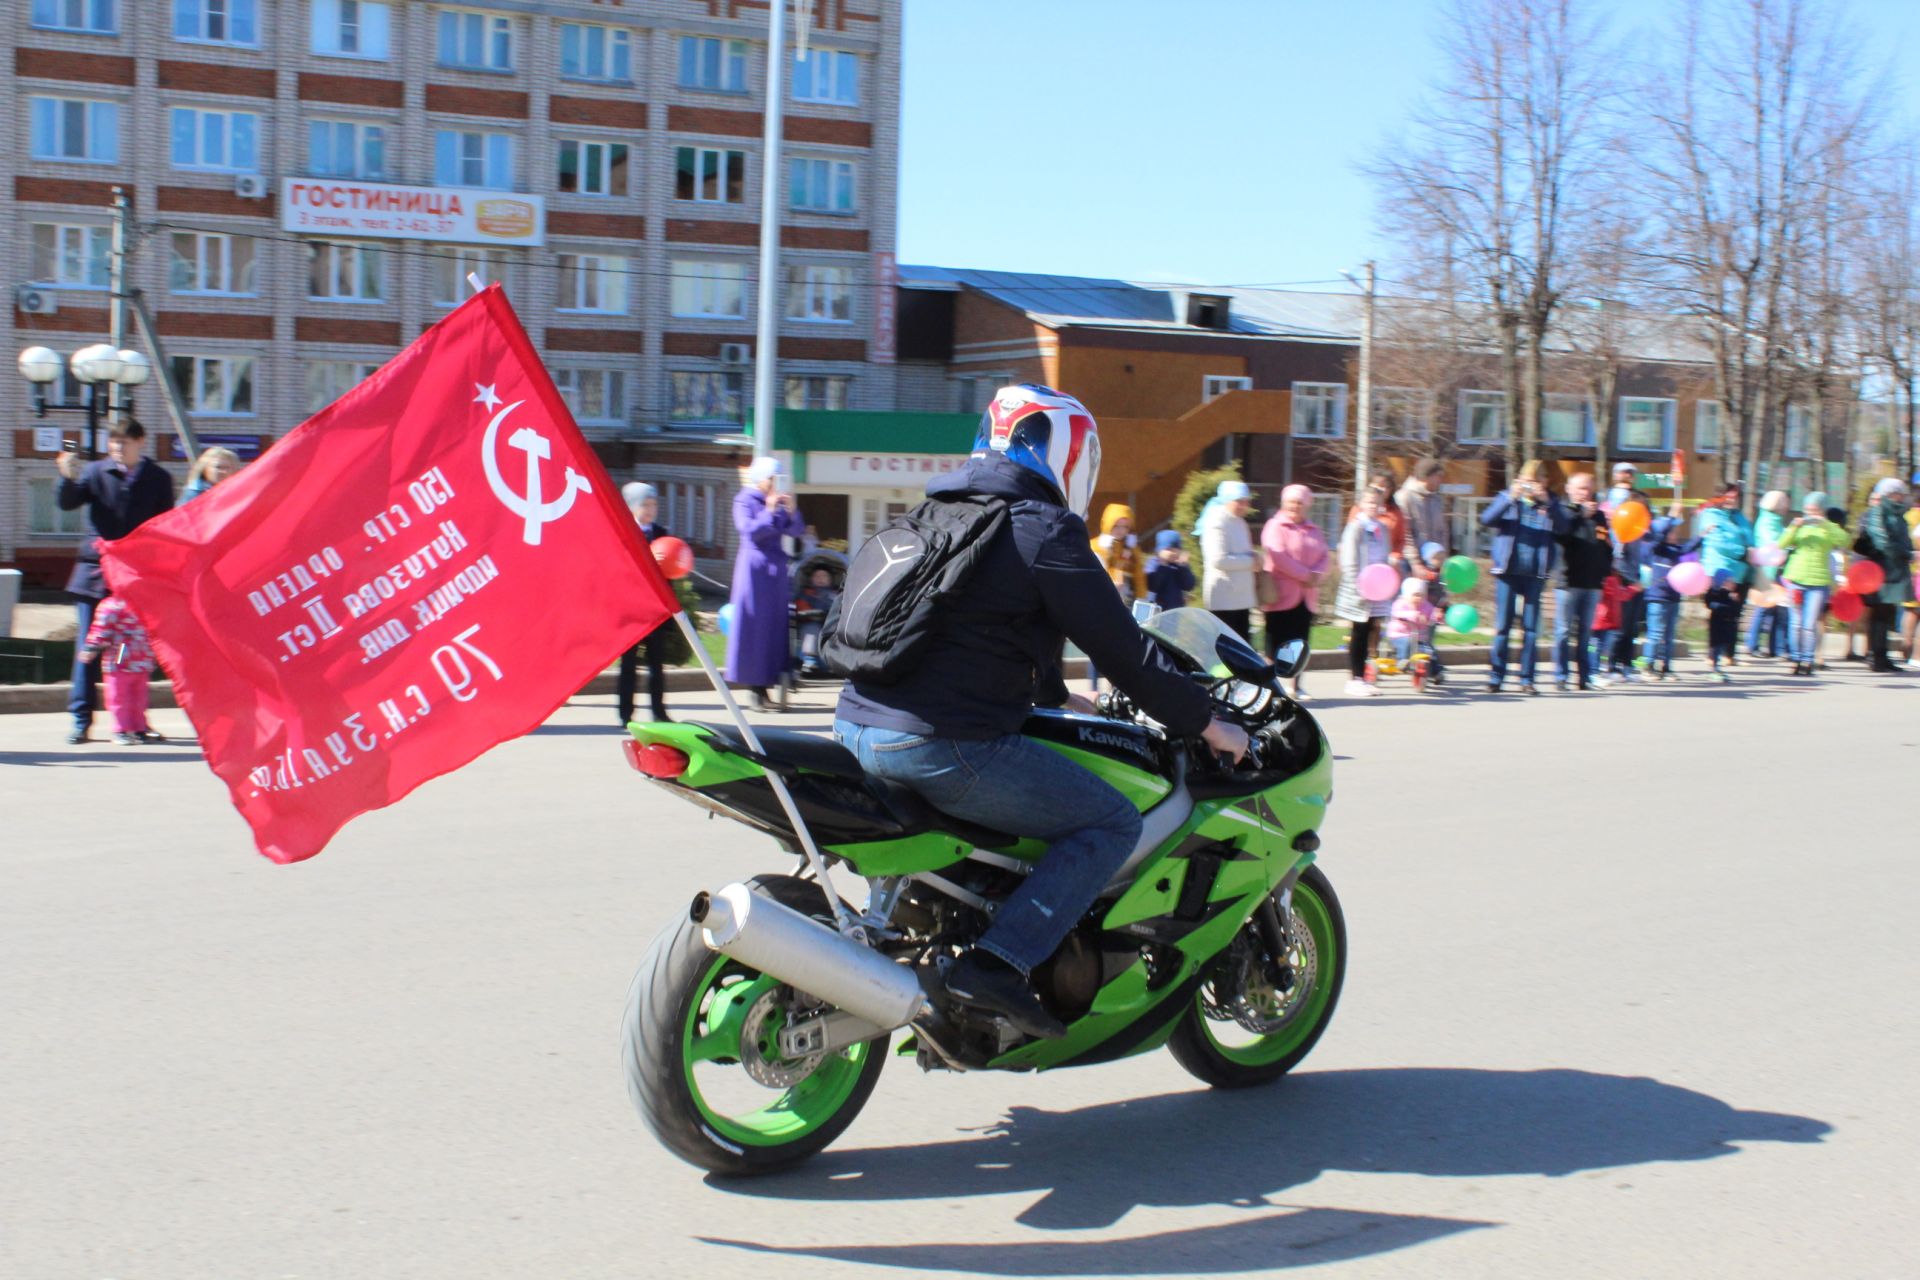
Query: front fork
{"points": [[1274, 919]]}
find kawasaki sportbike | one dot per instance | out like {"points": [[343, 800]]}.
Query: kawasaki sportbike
{"points": [[758, 1024]]}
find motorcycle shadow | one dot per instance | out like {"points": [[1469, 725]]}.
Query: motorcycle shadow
{"points": [[1093, 1165]]}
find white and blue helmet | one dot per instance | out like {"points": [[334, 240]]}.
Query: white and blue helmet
{"points": [[1050, 434]]}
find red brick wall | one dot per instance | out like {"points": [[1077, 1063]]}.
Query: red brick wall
{"points": [[62, 64], [214, 77], [606, 113], [213, 200], [215, 324], [374, 333], [467, 101], [823, 348], [844, 238], [616, 341], [734, 124], [713, 232], [360, 91], [703, 344], [63, 191], [65, 320], [607, 226], [839, 133]]}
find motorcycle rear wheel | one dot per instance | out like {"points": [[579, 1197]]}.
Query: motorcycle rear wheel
{"points": [[1263, 1059], [687, 1010]]}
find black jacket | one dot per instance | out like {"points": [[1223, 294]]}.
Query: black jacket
{"points": [[997, 651], [116, 504], [1586, 550]]}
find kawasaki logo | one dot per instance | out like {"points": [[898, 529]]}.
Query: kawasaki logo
{"points": [[1104, 738]]}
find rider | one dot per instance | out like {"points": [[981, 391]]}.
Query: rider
{"points": [[950, 728]]}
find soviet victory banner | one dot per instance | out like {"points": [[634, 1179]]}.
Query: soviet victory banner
{"points": [[428, 567]]}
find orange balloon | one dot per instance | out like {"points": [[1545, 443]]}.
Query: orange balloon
{"points": [[675, 557], [1630, 522]]}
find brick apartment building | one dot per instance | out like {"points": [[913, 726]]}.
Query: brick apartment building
{"points": [[622, 136]]}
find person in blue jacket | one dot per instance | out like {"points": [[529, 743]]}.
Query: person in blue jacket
{"points": [[1667, 546], [1726, 543], [1526, 521]]}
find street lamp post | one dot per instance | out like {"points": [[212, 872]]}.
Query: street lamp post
{"points": [[99, 368]]}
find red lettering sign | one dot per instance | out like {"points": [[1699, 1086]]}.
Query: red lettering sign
{"points": [[423, 570]]}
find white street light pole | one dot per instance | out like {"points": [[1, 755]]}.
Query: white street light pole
{"points": [[1363, 429], [766, 336]]}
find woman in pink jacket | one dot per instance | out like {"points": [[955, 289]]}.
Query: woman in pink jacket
{"points": [[1294, 553]]}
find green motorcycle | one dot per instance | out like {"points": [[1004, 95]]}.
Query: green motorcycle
{"points": [[757, 1025]]}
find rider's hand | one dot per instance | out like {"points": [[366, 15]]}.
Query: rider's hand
{"points": [[1227, 738]]}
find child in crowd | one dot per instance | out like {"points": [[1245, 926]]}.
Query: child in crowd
{"points": [[1669, 544], [1723, 622], [126, 659], [1364, 543], [1615, 595], [1410, 626], [1168, 577], [810, 606], [1434, 558]]}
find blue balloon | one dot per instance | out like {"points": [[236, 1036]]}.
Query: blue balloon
{"points": [[724, 619]]}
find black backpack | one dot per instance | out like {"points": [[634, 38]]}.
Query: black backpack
{"points": [[885, 615]]}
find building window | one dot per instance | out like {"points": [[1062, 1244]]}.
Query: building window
{"points": [[328, 380], [343, 149], [827, 75], [1320, 410], [1566, 419], [820, 294], [345, 272], [1402, 413], [44, 514], [462, 159], [208, 262], [589, 52], [96, 17], [1483, 417], [593, 168], [707, 62], [594, 395], [592, 282], [816, 391], [820, 186], [1706, 426], [974, 392], [453, 264], [1646, 424], [710, 175], [1799, 437], [713, 289], [75, 129], [708, 397], [70, 257], [476, 41], [220, 141], [217, 21], [352, 29], [1214, 385], [218, 386]]}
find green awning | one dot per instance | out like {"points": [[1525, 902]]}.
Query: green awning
{"points": [[804, 431]]}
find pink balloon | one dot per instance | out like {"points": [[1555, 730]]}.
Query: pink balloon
{"points": [[1379, 583], [1768, 557], [1689, 579]]}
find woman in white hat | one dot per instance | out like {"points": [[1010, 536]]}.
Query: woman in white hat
{"points": [[757, 646], [1227, 589]]}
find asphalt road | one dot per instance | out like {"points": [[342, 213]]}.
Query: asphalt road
{"points": [[1632, 994]]}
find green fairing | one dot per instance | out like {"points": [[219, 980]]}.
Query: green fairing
{"points": [[1144, 789], [706, 765]]}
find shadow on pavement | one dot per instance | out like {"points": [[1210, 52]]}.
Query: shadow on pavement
{"points": [[1093, 1165], [83, 757]]}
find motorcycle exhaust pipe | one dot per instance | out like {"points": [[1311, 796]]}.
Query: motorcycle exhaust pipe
{"points": [[798, 950]]}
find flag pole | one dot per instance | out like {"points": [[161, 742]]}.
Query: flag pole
{"points": [[842, 914]]}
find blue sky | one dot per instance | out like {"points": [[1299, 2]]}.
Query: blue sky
{"points": [[1187, 140]]}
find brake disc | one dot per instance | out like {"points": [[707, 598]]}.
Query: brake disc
{"points": [[1246, 995], [760, 1046]]}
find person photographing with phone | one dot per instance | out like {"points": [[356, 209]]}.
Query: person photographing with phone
{"points": [[1526, 521]]}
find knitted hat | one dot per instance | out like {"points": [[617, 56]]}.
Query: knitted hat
{"points": [[1166, 540]]}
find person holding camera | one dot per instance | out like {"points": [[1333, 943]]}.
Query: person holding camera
{"points": [[121, 492], [1525, 520]]}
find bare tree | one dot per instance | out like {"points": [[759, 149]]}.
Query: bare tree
{"points": [[1492, 170], [1889, 252]]}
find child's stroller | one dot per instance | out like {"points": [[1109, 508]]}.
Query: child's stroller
{"points": [[811, 600]]}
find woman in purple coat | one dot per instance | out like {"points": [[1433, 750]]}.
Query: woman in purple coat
{"points": [[757, 647]]}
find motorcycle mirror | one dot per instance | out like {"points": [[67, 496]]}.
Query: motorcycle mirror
{"points": [[1244, 661], [1292, 656]]}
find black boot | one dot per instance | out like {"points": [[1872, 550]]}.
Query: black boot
{"points": [[982, 980]]}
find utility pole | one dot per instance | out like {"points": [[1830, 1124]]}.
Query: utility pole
{"points": [[1363, 429], [117, 288], [766, 336]]}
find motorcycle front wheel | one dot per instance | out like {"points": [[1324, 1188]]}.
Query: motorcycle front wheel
{"points": [[702, 1059], [1240, 1030]]}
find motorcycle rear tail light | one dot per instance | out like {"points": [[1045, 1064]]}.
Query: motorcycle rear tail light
{"points": [[655, 759]]}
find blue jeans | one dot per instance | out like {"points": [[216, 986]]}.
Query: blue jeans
{"points": [[1659, 648], [1573, 622], [84, 697], [1015, 785], [1774, 622], [1508, 591], [1806, 623]]}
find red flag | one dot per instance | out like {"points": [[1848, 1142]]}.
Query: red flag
{"points": [[423, 570]]}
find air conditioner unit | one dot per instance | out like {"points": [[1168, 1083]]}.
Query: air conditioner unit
{"points": [[735, 353], [36, 302], [250, 186]]}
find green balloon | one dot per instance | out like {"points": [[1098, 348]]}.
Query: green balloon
{"points": [[1460, 574], [1463, 617]]}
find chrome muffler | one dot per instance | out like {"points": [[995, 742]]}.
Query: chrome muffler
{"points": [[800, 951]]}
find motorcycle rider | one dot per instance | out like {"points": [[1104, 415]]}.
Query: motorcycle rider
{"points": [[950, 728]]}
